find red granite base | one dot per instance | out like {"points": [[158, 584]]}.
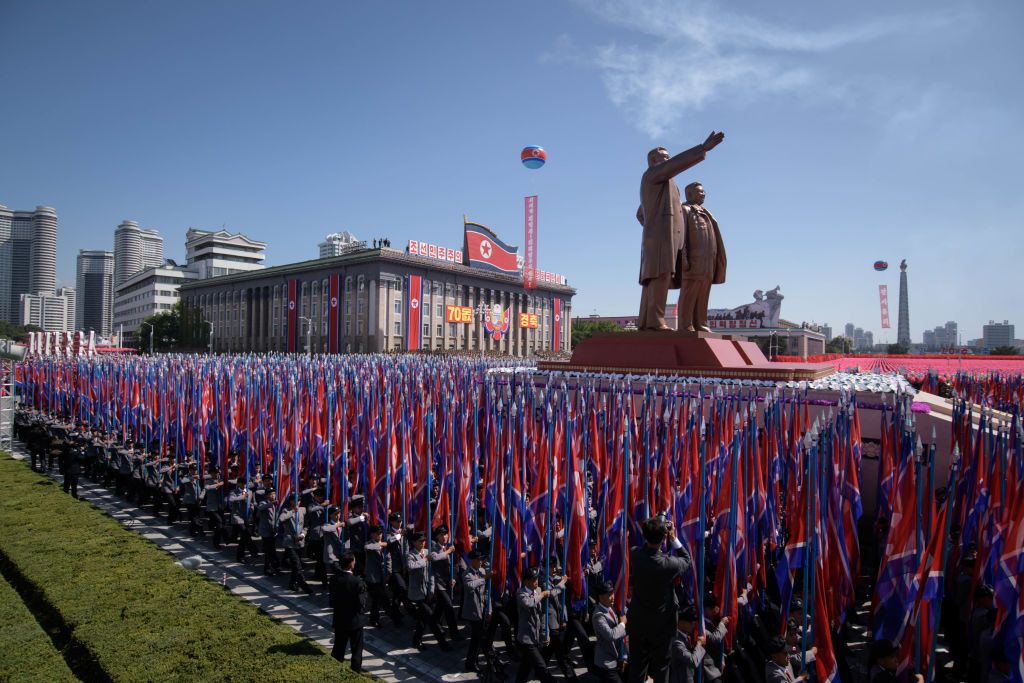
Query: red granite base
{"points": [[694, 355]]}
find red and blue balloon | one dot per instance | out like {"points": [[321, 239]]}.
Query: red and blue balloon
{"points": [[533, 157]]}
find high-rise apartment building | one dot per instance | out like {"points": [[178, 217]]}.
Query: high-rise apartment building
{"points": [[211, 254], [997, 334], [95, 290], [952, 338], [848, 330], [135, 250], [337, 243], [943, 337], [28, 257]]}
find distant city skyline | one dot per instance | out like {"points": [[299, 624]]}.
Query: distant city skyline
{"points": [[853, 134]]}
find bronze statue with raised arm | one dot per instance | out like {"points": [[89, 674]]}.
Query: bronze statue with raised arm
{"points": [[703, 261], [661, 214]]}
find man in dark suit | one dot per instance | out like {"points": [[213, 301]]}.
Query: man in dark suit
{"points": [[661, 214], [72, 464], [652, 609], [349, 600]]}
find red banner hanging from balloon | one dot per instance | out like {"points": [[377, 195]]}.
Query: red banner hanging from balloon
{"points": [[530, 264], [883, 302]]}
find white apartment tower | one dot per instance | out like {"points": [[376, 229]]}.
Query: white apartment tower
{"points": [[135, 250], [336, 244], [28, 257]]}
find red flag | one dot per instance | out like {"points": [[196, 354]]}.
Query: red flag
{"points": [[333, 317], [413, 328], [485, 250], [293, 315]]}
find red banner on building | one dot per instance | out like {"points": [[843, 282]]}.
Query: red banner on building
{"points": [[530, 264], [883, 302], [293, 314], [413, 331], [332, 315], [556, 334]]}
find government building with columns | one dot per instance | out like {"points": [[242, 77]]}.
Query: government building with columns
{"points": [[364, 301]]}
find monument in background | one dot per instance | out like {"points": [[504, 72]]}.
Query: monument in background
{"points": [[903, 327], [682, 249]]}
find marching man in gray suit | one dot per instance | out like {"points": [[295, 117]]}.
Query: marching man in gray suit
{"points": [[611, 635], [421, 592], [688, 653], [778, 669], [474, 607], [530, 601]]}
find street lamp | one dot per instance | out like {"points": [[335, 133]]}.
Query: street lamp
{"points": [[482, 310], [151, 328], [309, 334], [211, 336]]}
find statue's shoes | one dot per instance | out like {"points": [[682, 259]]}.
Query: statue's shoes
{"points": [[663, 328], [703, 328]]}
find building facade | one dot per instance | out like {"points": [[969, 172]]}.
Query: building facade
{"points": [[149, 292], [361, 303], [213, 254], [337, 243], [135, 250], [943, 337], [95, 291], [997, 334], [49, 312], [28, 257]]}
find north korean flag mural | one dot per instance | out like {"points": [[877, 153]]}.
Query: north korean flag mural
{"points": [[293, 314], [556, 334], [484, 250], [332, 315], [413, 329]]}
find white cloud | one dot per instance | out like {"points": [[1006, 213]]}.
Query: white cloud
{"points": [[694, 53]]}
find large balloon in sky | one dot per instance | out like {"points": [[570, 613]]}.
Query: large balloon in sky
{"points": [[533, 156], [881, 265]]}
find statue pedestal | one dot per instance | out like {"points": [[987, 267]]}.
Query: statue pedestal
{"points": [[694, 354]]}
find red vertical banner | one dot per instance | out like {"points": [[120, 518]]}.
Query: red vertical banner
{"points": [[883, 302], [413, 331], [332, 315], [530, 262], [293, 314], [556, 334]]}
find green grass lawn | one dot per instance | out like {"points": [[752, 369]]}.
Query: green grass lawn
{"points": [[134, 612], [26, 652]]}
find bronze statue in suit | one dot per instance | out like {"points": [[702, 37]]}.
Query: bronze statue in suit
{"points": [[703, 261], [661, 214]]}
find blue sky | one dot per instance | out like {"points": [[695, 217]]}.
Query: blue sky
{"points": [[854, 132]]}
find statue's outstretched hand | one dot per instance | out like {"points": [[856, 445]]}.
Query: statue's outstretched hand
{"points": [[713, 141]]}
